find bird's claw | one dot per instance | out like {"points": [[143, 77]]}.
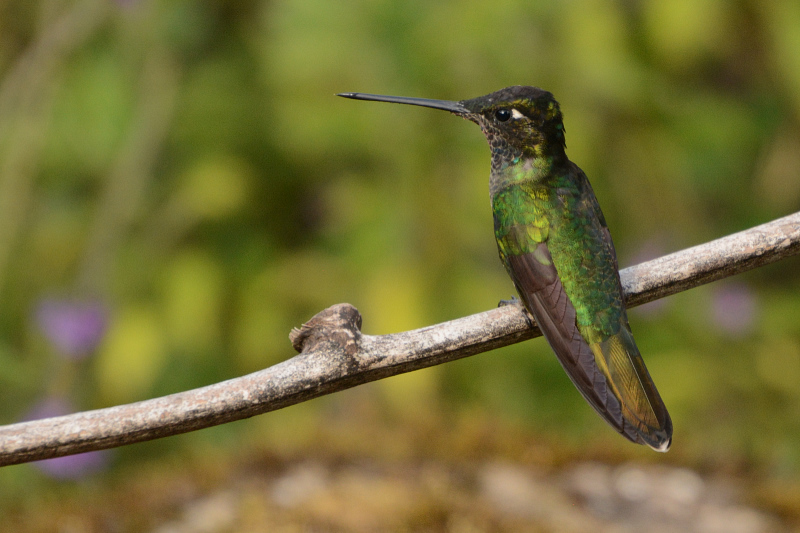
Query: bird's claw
{"points": [[512, 301]]}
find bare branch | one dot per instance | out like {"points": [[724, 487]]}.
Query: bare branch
{"points": [[336, 355]]}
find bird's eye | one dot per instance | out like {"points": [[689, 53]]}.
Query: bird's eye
{"points": [[502, 115]]}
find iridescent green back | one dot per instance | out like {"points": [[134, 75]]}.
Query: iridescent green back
{"points": [[562, 212]]}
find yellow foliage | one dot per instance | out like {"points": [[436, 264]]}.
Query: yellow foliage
{"points": [[131, 356]]}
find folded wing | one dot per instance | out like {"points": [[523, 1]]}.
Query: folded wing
{"points": [[610, 374]]}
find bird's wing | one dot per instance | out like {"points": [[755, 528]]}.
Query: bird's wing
{"points": [[611, 374], [608, 371]]}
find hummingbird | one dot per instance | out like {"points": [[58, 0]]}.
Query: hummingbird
{"points": [[555, 244]]}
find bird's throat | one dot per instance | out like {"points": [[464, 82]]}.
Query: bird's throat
{"points": [[522, 168]]}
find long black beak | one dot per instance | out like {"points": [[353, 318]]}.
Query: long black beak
{"points": [[447, 105]]}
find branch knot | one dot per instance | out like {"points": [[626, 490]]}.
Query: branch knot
{"points": [[336, 328]]}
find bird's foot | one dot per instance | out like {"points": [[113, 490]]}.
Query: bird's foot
{"points": [[516, 301], [512, 301]]}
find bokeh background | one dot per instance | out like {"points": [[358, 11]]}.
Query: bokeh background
{"points": [[179, 188]]}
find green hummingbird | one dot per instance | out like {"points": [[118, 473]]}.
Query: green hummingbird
{"points": [[555, 244]]}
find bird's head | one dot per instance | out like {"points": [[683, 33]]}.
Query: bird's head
{"points": [[517, 120]]}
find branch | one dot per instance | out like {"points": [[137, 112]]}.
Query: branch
{"points": [[335, 355]]}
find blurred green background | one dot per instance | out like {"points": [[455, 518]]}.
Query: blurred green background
{"points": [[179, 188]]}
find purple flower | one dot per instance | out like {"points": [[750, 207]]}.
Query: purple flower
{"points": [[71, 466], [734, 308], [74, 327]]}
